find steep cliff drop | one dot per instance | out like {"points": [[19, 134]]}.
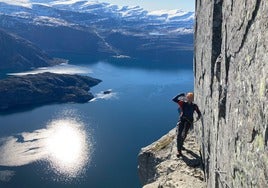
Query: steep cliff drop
{"points": [[231, 87]]}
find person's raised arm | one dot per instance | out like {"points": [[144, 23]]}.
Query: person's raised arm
{"points": [[176, 98]]}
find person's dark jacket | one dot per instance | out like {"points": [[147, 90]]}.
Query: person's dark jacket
{"points": [[187, 109]]}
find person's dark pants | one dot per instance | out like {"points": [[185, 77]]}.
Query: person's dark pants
{"points": [[183, 127]]}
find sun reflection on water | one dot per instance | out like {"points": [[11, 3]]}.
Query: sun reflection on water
{"points": [[67, 147], [64, 143]]}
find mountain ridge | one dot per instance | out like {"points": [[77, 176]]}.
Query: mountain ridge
{"points": [[52, 9], [17, 53], [96, 29]]}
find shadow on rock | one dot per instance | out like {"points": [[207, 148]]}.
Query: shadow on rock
{"points": [[192, 160]]}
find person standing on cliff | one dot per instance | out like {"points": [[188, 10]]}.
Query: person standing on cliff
{"points": [[187, 109]]}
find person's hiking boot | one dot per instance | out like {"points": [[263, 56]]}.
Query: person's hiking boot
{"points": [[179, 154]]}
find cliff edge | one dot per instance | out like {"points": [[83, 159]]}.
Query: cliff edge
{"points": [[160, 167], [231, 88]]}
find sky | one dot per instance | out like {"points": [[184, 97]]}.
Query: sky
{"points": [[187, 5]]}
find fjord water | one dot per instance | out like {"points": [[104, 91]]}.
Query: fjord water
{"points": [[93, 145]]}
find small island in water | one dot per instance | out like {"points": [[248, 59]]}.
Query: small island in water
{"points": [[45, 88]]}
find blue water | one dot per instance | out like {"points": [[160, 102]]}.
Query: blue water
{"points": [[38, 147]]}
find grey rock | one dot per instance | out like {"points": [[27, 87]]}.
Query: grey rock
{"points": [[46, 88], [160, 167], [231, 88]]}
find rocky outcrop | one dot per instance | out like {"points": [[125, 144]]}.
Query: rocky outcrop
{"points": [[160, 167], [45, 88], [18, 54], [231, 88]]}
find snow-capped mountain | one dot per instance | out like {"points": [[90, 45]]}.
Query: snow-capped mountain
{"points": [[97, 27], [88, 13]]}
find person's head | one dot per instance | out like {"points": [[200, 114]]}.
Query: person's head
{"points": [[190, 97]]}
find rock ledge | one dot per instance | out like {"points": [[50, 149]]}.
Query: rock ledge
{"points": [[159, 166]]}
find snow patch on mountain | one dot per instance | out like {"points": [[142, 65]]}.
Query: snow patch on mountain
{"points": [[170, 13], [100, 15], [23, 3], [49, 21]]}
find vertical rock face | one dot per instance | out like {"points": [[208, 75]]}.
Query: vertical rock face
{"points": [[231, 88]]}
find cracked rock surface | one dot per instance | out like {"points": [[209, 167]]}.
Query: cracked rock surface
{"points": [[231, 89]]}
